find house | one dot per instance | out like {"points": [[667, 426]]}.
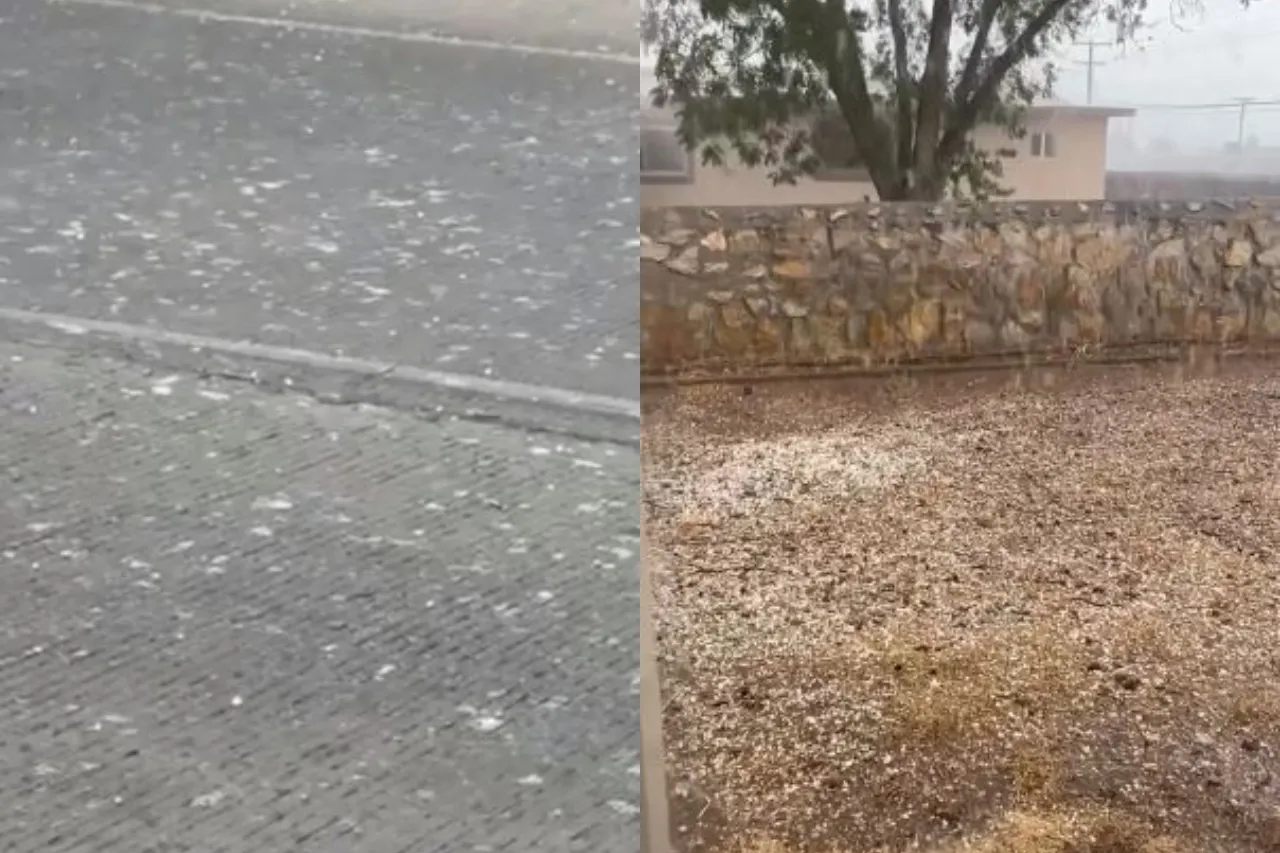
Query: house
{"points": [[1063, 156]]}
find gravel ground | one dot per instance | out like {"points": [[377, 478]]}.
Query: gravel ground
{"points": [[1015, 621]]}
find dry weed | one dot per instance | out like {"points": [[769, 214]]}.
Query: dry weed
{"points": [[1086, 831], [1256, 706], [1024, 831]]}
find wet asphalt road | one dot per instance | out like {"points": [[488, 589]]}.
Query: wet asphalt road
{"points": [[440, 206], [610, 26], [239, 621], [264, 615]]}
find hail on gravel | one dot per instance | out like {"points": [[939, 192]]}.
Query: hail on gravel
{"points": [[892, 629]]}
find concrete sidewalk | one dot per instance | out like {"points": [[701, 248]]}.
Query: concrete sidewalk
{"points": [[240, 621]]}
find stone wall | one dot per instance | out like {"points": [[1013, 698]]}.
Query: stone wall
{"points": [[883, 285]]}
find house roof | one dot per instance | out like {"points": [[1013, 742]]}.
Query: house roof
{"points": [[1056, 106]]}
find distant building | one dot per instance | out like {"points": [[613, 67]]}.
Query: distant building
{"points": [[1250, 160], [1188, 186]]}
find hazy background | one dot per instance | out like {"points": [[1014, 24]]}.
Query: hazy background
{"points": [[1186, 81]]}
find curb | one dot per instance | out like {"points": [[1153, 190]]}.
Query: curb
{"points": [[655, 826]]}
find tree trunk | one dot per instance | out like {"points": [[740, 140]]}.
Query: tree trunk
{"points": [[927, 189]]}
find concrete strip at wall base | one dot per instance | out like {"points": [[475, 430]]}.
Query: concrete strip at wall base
{"points": [[879, 287], [655, 827]]}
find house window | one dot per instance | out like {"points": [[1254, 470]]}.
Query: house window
{"points": [[663, 158], [1043, 145], [834, 146]]}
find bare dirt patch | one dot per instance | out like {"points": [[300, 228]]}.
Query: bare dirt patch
{"points": [[1008, 622]]}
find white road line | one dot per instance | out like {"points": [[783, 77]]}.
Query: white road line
{"points": [[520, 392], [363, 32]]}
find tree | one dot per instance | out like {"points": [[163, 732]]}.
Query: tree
{"points": [[905, 81]]}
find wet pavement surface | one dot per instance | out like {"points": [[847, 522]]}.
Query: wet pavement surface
{"points": [[610, 26], [245, 621], [452, 208], [252, 609]]}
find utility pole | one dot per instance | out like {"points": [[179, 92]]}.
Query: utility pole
{"points": [[1244, 107], [1090, 64]]}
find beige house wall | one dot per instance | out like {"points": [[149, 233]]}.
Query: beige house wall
{"points": [[735, 185], [1076, 172]]}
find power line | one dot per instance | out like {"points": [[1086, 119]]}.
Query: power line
{"points": [[1233, 104]]}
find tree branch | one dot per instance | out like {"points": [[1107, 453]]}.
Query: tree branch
{"points": [[841, 57], [967, 112], [933, 91], [903, 85], [981, 35]]}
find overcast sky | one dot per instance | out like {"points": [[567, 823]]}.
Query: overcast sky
{"points": [[1228, 52], [1224, 54]]}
